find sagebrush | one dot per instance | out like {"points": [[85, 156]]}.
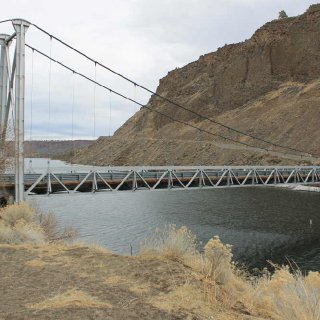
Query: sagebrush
{"points": [[282, 295], [20, 223]]}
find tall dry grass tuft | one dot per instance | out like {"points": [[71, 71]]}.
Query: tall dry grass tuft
{"points": [[52, 230], [289, 296], [172, 243], [20, 223], [218, 260], [221, 280], [12, 214], [281, 296], [17, 225]]}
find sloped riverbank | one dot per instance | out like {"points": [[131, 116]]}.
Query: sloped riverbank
{"points": [[45, 278]]}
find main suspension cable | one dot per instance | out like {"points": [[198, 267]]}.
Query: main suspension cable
{"points": [[8, 20], [169, 100], [151, 109]]}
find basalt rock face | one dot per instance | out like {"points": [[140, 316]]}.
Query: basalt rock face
{"points": [[276, 69]]}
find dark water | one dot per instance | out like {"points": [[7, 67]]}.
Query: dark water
{"points": [[262, 223]]}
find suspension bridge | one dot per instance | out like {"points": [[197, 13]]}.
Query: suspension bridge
{"points": [[20, 183]]}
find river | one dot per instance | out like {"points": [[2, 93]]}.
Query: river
{"points": [[262, 223]]}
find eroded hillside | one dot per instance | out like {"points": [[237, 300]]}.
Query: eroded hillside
{"points": [[267, 86]]}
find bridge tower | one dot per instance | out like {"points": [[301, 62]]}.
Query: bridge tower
{"points": [[9, 98]]}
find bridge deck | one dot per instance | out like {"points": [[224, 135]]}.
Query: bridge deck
{"points": [[162, 178]]}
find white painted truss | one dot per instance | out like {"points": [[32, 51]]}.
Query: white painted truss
{"points": [[164, 178]]}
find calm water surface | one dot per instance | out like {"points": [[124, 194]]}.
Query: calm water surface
{"points": [[263, 223]]}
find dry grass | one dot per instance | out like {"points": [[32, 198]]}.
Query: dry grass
{"points": [[69, 298], [221, 279], [212, 278], [133, 286], [52, 230], [17, 225], [36, 263], [281, 296], [195, 285], [139, 288], [12, 214], [187, 296], [115, 280], [172, 243], [289, 296], [20, 223], [97, 248]]}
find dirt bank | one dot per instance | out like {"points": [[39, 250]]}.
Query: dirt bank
{"points": [[83, 282], [43, 277]]}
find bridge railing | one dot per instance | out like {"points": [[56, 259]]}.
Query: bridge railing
{"points": [[153, 179]]}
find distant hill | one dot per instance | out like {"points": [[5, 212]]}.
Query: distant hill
{"points": [[60, 149], [267, 86]]}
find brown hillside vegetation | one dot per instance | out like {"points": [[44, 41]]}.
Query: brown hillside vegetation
{"points": [[170, 279], [267, 86]]}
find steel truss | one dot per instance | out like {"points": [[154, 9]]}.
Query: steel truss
{"points": [[165, 178]]}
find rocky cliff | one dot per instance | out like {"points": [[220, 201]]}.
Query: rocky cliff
{"points": [[267, 86]]}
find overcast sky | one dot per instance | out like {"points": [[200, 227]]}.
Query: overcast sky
{"points": [[143, 39]]}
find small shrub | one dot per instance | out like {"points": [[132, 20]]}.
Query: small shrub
{"points": [[282, 15], [49, 224], [218, 260], [20, 233], [28, 233], [21, 224], [6, 234], [53, 232], [17, 225], [172, 243], [221, 280], [12, 214], [289, 296]]}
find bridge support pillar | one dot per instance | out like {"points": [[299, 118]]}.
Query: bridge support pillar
{"points": [[21, 27]]}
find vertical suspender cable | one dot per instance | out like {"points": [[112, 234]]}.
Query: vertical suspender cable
{"points": [[94, 106], [107, 115], [31, 108], [72, 111], [49, 101], [110, 105], [134, 98], [31, 96], [94, 101]]}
